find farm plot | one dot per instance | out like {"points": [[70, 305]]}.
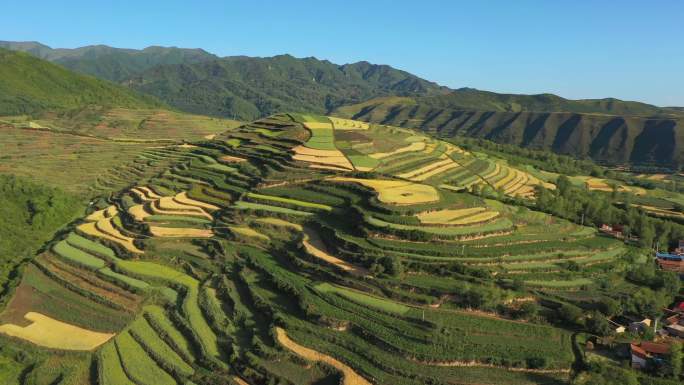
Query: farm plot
{"points": [[51, 333], [314, 246], [456, 217], [396, 192], [350, 377], [348, 124], [105, 229], [333, 158]]}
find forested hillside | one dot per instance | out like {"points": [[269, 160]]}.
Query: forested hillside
{"points": [[30, 214], [248, 88], [29, 85]]}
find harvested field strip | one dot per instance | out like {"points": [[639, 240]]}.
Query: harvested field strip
{"points": [[148, 338], [372, 301], [168, 205], [336, 161], [77, 256], [138, 365], [436, 171], [91, 246], [332, 168], [447, 215], [183, 199], [51, 333], [477, 218], [314, 246], [106, 227], [92, 229], [248, 232], [318, 126], [110, 371], [102, 214], [350, 377], [502, 224], [180, 232], [294, 202], [161, 323], [242, 205], [156, 210], [190, 302], [659, 211], [232, 159], [495, 171], [138, 212], [424, 169], [279, 222], [300, 150], [348, 124], [396, 192]]}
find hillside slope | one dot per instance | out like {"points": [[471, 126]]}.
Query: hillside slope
{"points": [[29, 85], [115, 64], [623, 133], [248, 88]]}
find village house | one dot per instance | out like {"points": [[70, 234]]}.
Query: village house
{"points": [[639, 326], [643, 352], [674, 324]]}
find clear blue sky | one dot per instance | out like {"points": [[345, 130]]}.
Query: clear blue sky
{"points": [[578, 49]]}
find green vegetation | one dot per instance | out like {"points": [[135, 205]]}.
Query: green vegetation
{"points": [[32, 214], [30, 85], [490, 280]]}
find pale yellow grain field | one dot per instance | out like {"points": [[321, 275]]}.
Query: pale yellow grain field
{"points": [[395, 191], [332, 158], [413, 147], [102, 214], [179, 232], [96, 229], [444, 216], [314, 246], [317, 125], [51, 333], [348, 124]]}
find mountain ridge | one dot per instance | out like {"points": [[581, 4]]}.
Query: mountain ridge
{"points": [[606, 138]]}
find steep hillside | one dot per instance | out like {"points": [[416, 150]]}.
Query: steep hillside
{"points": [[473, 99], [607, 131], [115, 64], [29, 85], [248, 88]]}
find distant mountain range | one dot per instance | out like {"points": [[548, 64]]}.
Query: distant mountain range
{"points": [[247, 88], [240, 87]]}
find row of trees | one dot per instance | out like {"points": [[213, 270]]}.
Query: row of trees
{"points": [[595, 208]]}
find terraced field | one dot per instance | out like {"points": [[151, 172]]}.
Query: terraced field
{"points": [[246, 259]]}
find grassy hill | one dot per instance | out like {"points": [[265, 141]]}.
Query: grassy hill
{"points": [[609, 131], [29, 85]]}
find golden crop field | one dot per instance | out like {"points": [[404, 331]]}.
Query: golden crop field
{"points": [[54, 334], [397, 192]]}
